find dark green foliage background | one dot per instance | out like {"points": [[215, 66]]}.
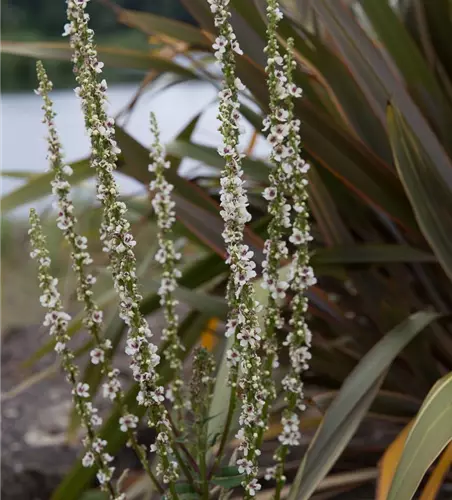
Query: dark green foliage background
{"points": [[39, 20]]}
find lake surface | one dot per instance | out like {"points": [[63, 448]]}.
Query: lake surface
{"points": [[23, 147]]}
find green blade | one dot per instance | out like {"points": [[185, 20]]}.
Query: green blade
{"points": [[430, 434], [353, 397], [429, 195]]}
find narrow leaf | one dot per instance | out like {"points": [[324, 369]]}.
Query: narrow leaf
{"points": [[436, 479], [430, 434], [429, 195], [151, 24], [352, 401], [111, 56], [389, 462]]}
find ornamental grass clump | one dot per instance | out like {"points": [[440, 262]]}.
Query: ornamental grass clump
{"points": [[189, 460]]}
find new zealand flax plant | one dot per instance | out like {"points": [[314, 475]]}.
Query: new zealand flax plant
{"points": [[374, 123]]}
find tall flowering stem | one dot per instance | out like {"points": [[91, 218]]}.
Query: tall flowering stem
{"points": [[116, 236], [167, 257], [81, 258], [245, 362], [57, 320], [201, 390], [289, 181], [275, 248]]}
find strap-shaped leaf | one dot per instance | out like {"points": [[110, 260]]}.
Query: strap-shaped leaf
{"points": [[430, 434], [408, 58], [112, 56], [152, 24], [351, 404], [430, 197], [437, 477], [389, 462]]}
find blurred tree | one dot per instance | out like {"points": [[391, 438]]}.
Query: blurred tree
{"points": [[28, 20]]}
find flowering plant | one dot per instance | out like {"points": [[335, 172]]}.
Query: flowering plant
{"points": [[189, 460]]}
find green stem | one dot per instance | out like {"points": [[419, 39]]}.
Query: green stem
{"points": [[144, 462]]}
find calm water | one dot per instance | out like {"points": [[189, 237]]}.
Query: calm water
{"points": [[24, 148]]}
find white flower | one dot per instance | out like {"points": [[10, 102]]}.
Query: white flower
{"points": [[280, 131], [97, 356], [81, 242], [245, 466], [82, 390], [97, 316], [67, 29], [297, 237], [270, 473], [269, 193], [158, 395], [236, 48], [60, 347], [253, 487], [133, 346], [128, 422], [104, 476], [99, 445], [68, 170], [129, 240], [282, 114], [238, 84], [88, 459], [294, 90], [220, 46]]}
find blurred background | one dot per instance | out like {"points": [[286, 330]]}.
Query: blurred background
{"points": [[376, 120]]}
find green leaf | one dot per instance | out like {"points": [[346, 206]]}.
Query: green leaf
{"points": [[111, 56], [309, 475], [258, 170], [402, 48], [430, 434], [369, 254], [18, 174], [228, 481], [380, 84], [231, 470], [184, 488], [351, 404], [197, 300], [419, 78], [94, 495], [151, 24], [137, 157], [38, 186], [430, 197]]}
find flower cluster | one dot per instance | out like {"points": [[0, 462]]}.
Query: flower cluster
{"points": [[288, 181], [245, 362], [167, 257], [115, 229], [67, 222], [57, 320], [276, 194]]}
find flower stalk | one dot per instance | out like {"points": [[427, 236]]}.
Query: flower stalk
{"points": [[117, 240], [167, 257], [81, 258], [288, 181], [244, 359], [57, 320]]}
